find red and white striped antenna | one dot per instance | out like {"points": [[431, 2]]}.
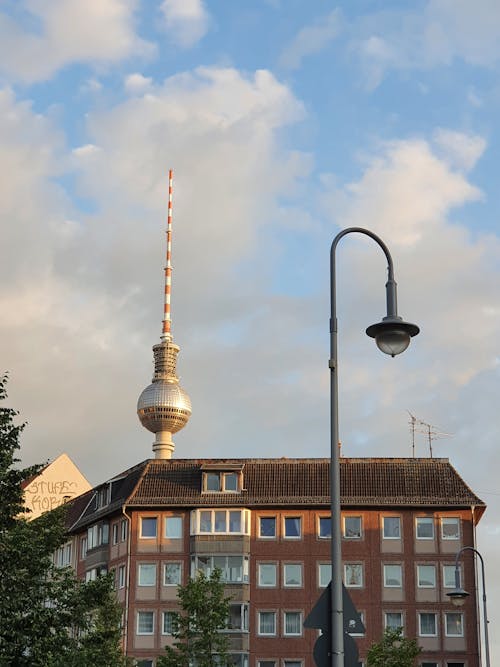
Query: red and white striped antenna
{"points": [[167, 320]]}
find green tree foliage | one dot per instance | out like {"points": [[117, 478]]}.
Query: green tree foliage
{"points": [[198, 639], [393, 650], [47, 617]]}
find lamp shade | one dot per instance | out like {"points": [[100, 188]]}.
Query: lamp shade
{"points": [[458, 596], [392, 335]]}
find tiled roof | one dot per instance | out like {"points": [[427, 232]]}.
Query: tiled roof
{"points": [[273, 482]]}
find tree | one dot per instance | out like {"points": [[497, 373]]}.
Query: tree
{"points": [[48, 617], [198, 639], [393, 650]]}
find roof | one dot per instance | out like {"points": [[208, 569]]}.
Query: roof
{"points": [[370, 482]]}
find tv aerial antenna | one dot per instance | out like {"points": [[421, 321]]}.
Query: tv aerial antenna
{"points": [[432, 432]]}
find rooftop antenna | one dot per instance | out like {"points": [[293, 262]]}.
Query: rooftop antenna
{"points": [[167, 320], [432, 432], [413, 422]]}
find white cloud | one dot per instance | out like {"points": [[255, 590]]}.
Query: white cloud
{"points": [[137, 83], [94, 31], [311, 39], [186, 21], [443, 31], [460, 150]]}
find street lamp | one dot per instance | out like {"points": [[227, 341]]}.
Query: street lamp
{"points": [[392, 336], [459, 595]]}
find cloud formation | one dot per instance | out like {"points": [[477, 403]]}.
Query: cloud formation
{"points": [[68, 31], [311, 39], [186, 21]]}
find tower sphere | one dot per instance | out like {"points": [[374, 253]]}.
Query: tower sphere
{"points": [[164, 406]]}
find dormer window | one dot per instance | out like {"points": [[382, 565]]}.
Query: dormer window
{"points": [[222, 479]]}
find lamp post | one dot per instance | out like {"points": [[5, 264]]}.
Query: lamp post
{"points": [[392, 336], [459, 595]]}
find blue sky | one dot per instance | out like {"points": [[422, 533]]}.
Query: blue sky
{"points": [[284, 122]]}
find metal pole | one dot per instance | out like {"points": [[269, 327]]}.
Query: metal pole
{"points": [[337, 612], [485, 613]]}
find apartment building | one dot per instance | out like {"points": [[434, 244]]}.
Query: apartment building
{"points": [[266, 524]]}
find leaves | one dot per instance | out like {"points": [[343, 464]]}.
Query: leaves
{"points": [[197, 628], [393, 650], [48, 617]]}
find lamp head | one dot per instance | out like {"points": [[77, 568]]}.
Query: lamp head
{"points": [[392, 335], [458, 597]]}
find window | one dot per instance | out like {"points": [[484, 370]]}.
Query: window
{"points": [[391, 527], [426, 576], [91, 575], [123, 530], [455, 664], [146, 575], [121, 576], [173, 527], [267, 526], [238, 617], [293, 663], [292, 623], [352, 626], [292, 575], [352, 527], [239, 659], [267, 622], [103, 496], [293, 527], [450, 528], [325, 527], [220, 522], [216, 482], [393, 576], [62, 556], [324, 574], [266, 574], [97, 535], [83, 547], [266, 663], [454, 624], [429, 664], [425, 528], [172, 574], [449, 576], [148, 526], [427, 624], [145, 622], [234, 568], [167, 625], [145, 663], [353, 575], [393, 619], [115, 533]]}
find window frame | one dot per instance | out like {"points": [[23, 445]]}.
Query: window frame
{"points": [[289, 518], [428, 613], [462, 626], [450, 566], [320, 566], [263, 564], [425, 521], [361, 570], [179, 569], [385, 573], [122, 578], [301, 577], [449, 519], [391, 537], [322, 520], [142, 519], [428, 565], [243, 568], [141, 612], [169, 519], [344, 528], [393, 627], [164, 614], [269, 518], [197, 515], [259, 619], [300, 614], [243, 615], [152, 568]]}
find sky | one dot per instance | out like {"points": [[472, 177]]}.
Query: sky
{"points": [[284, 122]]}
